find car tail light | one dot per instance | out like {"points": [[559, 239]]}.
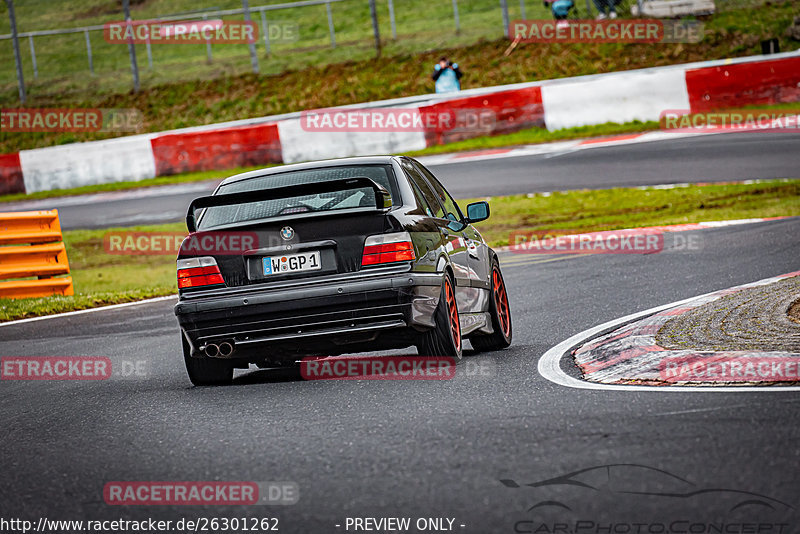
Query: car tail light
{"points": [[197, 272], [388, 248]]}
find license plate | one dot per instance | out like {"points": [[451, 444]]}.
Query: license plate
{"points": [[291, 263]]}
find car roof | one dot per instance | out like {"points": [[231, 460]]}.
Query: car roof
{"points": [[361, 160]]}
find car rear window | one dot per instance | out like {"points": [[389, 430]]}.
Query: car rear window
{"points": [[357, 197]]}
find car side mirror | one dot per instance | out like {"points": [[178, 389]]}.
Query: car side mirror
{"points": [[477, 211]]}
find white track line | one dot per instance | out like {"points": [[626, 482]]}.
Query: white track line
{"points": [[90, 310], [550, 362]]}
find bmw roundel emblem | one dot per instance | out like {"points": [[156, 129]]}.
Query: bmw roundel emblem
{"points": [[287, 232]]}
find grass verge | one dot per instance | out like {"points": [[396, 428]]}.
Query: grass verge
{"points": [[101, 279], [613, 209]]}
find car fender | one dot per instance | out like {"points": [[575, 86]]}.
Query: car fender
{"points": [[443, 263]]}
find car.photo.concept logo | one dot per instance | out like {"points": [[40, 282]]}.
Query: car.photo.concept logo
{"points": [[640, 499]]}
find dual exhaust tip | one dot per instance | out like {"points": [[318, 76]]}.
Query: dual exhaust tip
{"points": [[223, 350]]}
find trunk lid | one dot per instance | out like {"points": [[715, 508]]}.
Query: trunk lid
{"points": [[300, 242]]}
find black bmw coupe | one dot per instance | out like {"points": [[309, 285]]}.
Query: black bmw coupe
{"points": [[333, 257]]}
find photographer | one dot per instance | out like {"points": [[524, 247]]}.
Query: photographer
{"points": [[446, 75], [560, 9], [606, 9]]}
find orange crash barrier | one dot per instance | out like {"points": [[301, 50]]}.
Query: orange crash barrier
{"points": [[31, 246]]}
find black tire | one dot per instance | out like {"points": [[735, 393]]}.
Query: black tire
{"points": [[500, 312], [445, 339], [206, 371]]}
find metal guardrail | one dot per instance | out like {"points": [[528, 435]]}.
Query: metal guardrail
{"points": [[624, 6], [189, 16], [42, 254], [262, 10]]}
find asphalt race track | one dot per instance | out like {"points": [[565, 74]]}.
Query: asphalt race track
{"points": [[421, 448], [711, 158], [435, 449]]}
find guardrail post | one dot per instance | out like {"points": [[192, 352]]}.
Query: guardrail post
{"points": [[455, 17], [251, 46], [17, 56], [330, 24], [504, 8], [265, 29], [131, 48], [89, 50], [522, 9], [33, 58], [375, 30], [149, 52], [209, 57], [391, 20]]}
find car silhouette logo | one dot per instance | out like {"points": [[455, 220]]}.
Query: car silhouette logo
{"points": [[287, 233], [641, 480]]}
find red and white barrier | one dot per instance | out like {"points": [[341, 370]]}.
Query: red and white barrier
{"points": [[301, 144], [11, 175], [617, 97], [744, 84], [553, 104], [202, 150], [510, 110], [97, 162]]}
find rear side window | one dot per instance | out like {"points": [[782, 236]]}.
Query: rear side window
{"points": [[360, 197], [434, 208], [421, 202], [450, 206]]}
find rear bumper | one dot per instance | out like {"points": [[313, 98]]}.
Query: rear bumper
{"points": [[312, 317]]}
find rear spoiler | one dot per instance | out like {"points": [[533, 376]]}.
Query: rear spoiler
{"points": [[383, 199]]}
